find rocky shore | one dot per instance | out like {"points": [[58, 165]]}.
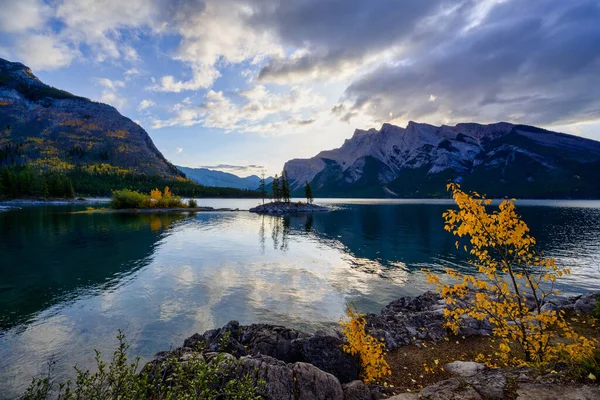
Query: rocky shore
{"points": [[281, 207], [299, 365]]}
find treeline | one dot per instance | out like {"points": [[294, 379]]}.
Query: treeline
{"points": [[23, 182], [20, 182]]}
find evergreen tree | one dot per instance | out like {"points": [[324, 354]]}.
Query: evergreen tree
{"points": [[285, 187], [261, 187], [308, 193], [276, 189]]}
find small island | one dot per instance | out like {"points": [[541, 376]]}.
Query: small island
{"points": [[281, 207]]}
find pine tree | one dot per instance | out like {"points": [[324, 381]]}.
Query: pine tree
{"points": [[308, 193], [261, 187], [285, 187], [276, 189]]}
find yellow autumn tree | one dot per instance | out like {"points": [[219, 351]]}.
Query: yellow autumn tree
{"points": [[369, 350], [156, 194], [511, 287]]}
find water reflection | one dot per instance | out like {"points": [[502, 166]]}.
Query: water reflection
{"points": [[49, 256], [70, 281]]}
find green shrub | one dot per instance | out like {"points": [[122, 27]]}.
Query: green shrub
{"points": [[192, 203], [193, 379], [126, 198]]}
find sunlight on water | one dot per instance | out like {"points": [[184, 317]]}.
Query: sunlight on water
{"points": [[70, 281]]}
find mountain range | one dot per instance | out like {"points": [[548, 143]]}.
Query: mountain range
{"points": [[210, 177], [499, 159], [50, 129]]}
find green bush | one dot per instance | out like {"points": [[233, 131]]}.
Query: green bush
{"points": [[195, 378], [192, 203], [126, 198]]}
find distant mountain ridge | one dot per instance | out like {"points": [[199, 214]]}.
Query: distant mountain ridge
{"points": [[500, 159], [209, 177], [50, 129]]}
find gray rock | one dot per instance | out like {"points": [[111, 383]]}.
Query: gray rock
{"points": [[404, 396], [325, 352], [464, 368], [313, 384], [291, 381], [530, 391], [287, 208], [408, 320], [586, 304], [450, 389], [356, 390], [278, 376], [489, 384]]}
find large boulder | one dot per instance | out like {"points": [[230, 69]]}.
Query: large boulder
{"points": [[297, 381], [325, 352], [409, 319]]}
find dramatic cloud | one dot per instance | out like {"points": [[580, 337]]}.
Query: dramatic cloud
{"points": [[253, 110], [530, 62], [340, 36], [283, 67]]}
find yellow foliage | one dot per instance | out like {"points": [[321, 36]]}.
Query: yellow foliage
{"points": [[155, 194], [510, 271], [370, 350]]}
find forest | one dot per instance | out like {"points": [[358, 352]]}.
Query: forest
{"points": [[24, 182]]}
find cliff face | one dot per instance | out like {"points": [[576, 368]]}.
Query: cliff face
{"points": [[417, 161], [50, 129]]}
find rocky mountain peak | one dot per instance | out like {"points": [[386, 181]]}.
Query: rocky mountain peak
{"points": [[499, 158]]}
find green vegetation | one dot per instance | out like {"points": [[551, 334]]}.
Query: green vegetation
{"points": [[262, 187], [308, 193], [25, 182], [195, 378], [281, 187], [276, 188], [125, 198], [192, 203]]}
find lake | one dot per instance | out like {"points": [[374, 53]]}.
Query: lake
{"points": [[70, 281]]}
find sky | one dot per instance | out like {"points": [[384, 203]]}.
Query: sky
{"points": [[246, 85]]}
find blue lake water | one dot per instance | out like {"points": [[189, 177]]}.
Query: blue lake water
{"points": [[69, 281]]}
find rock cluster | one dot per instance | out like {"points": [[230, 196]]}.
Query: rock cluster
{"points": [[280, 207], [299, 365]]}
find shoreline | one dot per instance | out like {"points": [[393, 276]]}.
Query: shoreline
{"points": [[313, 365], [156, 210], [54, 202]]}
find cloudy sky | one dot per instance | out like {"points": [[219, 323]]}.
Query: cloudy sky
{"points": [[243, 84]]}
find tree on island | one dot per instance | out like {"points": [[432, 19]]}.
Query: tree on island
{"points": [[261, 187], [285, 187], [308, 193], [276, 189]]}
